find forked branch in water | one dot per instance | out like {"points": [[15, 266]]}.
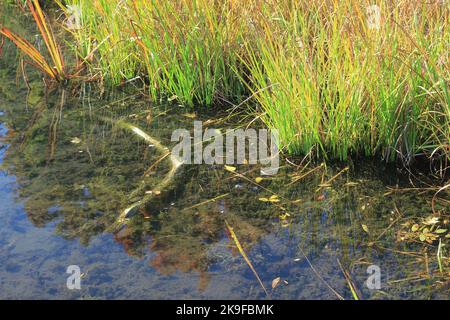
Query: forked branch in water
{"points": [[175, 163]]}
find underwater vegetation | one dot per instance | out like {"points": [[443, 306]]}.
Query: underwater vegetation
{"points": [[226, 217]]}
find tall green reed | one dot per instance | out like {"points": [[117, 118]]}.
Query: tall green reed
{"points": [[335, 78]]}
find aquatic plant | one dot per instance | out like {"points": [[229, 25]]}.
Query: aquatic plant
{"points": [[91, 177], [336, 86], [244, 255], [183, 50], [336, 78]]}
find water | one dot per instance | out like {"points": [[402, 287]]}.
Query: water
{"points": [[68, 172], [59, 210]]}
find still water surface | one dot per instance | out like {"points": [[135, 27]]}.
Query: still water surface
{"points": [[66, 176], [66, 173]]}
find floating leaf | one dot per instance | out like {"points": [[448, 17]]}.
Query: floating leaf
{"points": [[365, 228], [155, 192], [422, 237], [441, 231], [284, 219], [415, 227], [431, 221], [230, 168], [276, 282], [189, 115], [284, 216], [75, 140], [274, 198]]}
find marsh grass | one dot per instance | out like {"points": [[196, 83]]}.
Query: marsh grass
{"points": [[335, 78], [339, 87], [178, 46]]}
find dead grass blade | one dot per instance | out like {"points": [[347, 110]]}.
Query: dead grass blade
{"points": [[54, 70], [320, 277], [350, 283], [37, 60], [244, 255], [47, 35]]}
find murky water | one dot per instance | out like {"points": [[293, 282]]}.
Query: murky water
{"points": [[67, 172]]}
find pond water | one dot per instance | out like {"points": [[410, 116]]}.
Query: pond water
{"points": [[68, 171]]}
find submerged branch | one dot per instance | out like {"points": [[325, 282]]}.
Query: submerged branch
{"points": [[175, 163]]}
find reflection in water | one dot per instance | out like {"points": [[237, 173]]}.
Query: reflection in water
{"points": [[66, 176], [98, 169]]}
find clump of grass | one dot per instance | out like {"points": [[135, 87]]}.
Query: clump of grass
{"points": [[184, 49], [53, 68], [335, 78], [339, 86]]}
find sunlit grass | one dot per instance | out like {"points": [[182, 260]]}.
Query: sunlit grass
{"points": [[184, 49], [335, 78], [339, 86]]}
